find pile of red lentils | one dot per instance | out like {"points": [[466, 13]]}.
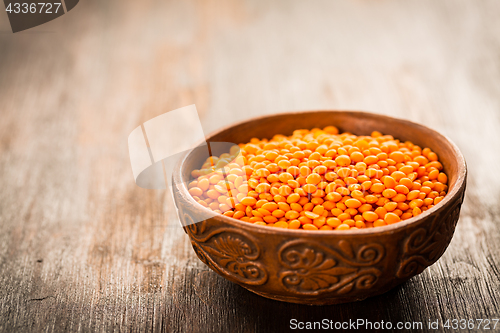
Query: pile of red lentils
{"points": [[321, 180]]}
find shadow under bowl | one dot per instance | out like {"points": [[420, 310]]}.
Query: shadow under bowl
{"points": [[322, 267]]}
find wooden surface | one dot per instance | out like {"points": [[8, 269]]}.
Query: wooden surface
{"points": [[82, 248]]}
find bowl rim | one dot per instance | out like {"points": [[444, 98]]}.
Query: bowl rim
{"points": [[450, 197]]}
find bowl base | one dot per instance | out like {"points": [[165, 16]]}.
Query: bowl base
{"points": [[323, 301]]}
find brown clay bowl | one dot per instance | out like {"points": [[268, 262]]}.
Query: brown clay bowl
{"points": [[323, 267]]}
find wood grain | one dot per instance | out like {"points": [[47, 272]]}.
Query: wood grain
{"points": [[83, 249]]}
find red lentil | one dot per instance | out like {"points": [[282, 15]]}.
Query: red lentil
{"points": [[321, 180]]}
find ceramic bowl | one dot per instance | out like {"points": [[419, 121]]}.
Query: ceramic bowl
{"points": [[322, 267]]}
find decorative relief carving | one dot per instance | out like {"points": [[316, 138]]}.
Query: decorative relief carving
{"points": [[312, 269], [425, 245], [193, 228], [229, 251], [199, 252]]}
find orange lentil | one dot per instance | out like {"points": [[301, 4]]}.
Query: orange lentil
{"points": [[377, 188], [371, 173], [433, 174], [432, 156], [318, 209], [292, 214], [353, 203], [308, 206], [407, 169], [285, 190], [309, 188], [391, 218], [333, 222], [349, 222], [341, 205], [389, 193], [249, 201], [426, 189], [398, 175], [196, 191], [263, 188], [402, 189], [309, 226], [437, 200], [399, 198], [313, 179], [343, 226], [213, 194], [238, 214], [319, 222], [278, 213], [416, 203], [442, 178], [281, 224], [351, 211], [370, 159], [344, 216], [364, 208], [279, 198], [256, 213], [406, 182], [343, 160], [270, 206], [389, 182], [370, 216], [263, 211], [321, 180], [294, 224], [381, 211], [311, 215], [356, 156], [397, 156], [398, 212], [428, 201], [439, 187], [412, 195], [283, 206], [371, 199], [360, 224], [305, 171], [416, 211], [270, 219]]}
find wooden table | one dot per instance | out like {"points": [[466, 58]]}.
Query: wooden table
{"points": [[82, 248]]}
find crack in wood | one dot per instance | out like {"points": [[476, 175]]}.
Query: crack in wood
{"points": [[41, 298]]}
